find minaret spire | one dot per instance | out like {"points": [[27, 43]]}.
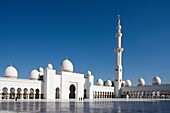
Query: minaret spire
{"points": [[118, 67], [118, 19]]}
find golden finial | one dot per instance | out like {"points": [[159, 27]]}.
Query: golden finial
{"points": [[118, 18]]}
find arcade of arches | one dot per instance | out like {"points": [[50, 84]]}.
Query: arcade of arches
{"points": [[147, 94], [100, 94], [19, 93]]}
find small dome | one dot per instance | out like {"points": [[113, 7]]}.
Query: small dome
{"points": [[34, 74], [41, 70], [10, 72], [66, 65], [108, 83], [50, 66], [141, 82], [156, 80], [99, 82], [88, 72], [128, 83]]}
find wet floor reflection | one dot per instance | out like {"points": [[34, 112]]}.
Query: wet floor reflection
{"points": [[86, 107]]}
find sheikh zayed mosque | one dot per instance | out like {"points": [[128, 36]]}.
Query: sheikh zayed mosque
{"points": [[67, 84]]}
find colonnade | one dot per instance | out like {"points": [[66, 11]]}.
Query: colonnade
{"points": [[19, 93], [147, 94]]}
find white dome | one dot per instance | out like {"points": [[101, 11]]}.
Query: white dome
{"points": [[34, 74], [41, 70], [128, 83], [88, 72], [50, 66], [141, 82], [156, 80], [10, 72], [99, 82], [66, 65], [108, 83]]}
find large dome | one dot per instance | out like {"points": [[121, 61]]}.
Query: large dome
{"points": [[156, 80], [99, 82], [141, 82], [66, 65], [10, 72], [34, 74]]}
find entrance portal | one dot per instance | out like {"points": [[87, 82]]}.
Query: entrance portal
{"points": [[72, 94], [57, 94]]}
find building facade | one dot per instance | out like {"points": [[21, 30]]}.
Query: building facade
{"points": [[49, 84]]}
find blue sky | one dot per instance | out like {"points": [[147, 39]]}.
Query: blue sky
{"points": [[34, 33]]}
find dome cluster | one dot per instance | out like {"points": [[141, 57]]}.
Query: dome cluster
{"points": [[35, 74], [108, 83], [100, 82], [67, 66]]}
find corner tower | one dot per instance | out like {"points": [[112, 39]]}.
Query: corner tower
{"points": [[118, 67]]}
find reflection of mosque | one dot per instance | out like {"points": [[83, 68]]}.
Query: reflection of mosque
{"points": [[67, 84]]}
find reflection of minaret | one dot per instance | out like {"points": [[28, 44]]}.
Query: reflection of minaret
{"points": [[118, 67]]}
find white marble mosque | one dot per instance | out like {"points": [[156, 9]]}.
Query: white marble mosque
{"points": [[67, 84]]}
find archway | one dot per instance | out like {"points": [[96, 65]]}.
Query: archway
{"points": [[12, 93], [57, 96], [25, 96], [37, 93], [4, 93], [31, 93], [157, 94], [149, 94], [72, 94], [153, 94], [95, 94], [19, 93], [85, 93]]}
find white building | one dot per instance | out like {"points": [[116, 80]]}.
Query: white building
{"points": [[47, 84], [67, 84]]}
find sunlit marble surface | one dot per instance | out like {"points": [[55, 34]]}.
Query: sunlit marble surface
{"points": [[86, 106]]}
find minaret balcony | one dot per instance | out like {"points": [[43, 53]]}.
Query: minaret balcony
{"points": [[118, 34], [118, 50]]}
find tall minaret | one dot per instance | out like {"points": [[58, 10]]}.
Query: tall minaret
{"points": [[118, 67]]}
